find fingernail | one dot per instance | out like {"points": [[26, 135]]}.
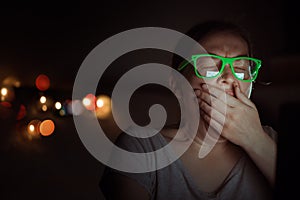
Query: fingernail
{"points": [[204, 86]]}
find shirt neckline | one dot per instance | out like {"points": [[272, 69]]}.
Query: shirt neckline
{"points": [[218, 190]]}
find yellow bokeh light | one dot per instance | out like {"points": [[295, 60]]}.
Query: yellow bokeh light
{"points": [[33, 128], [12, 81], [100, 103], [103, 106], [43, 99], [4, 91], [58, 105], [7, 93], [44, 108]]}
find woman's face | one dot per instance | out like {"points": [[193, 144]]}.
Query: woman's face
{"points": [[224, 44]]}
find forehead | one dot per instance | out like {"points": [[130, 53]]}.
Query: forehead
{"points": [[225, 43]]}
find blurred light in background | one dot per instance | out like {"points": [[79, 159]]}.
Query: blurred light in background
{"points": [[42, 82], [47, 127], [11, 81], [103, 109], [58, 105], [75, 107], [33, 128], [44, 108], [100, 103], [62, 112], [4, 91], [7, 93], [43, 99], [89, 102]]}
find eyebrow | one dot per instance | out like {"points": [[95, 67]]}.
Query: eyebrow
{"points": [[243, 55]]}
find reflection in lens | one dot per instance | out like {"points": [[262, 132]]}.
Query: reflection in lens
{"points": [[208, 66], [246, 67]]}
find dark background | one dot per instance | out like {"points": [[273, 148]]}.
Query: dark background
{"points": [[54, 38]]}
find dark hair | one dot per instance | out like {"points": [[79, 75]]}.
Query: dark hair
{"points": [[203, 29]]}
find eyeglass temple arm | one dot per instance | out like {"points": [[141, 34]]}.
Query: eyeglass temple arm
{"points": [[185, 63], [263, 82]]}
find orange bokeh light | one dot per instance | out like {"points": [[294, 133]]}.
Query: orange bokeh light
{"points": [[47, 127], [42, 82]]}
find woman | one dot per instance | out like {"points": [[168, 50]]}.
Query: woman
{"points": [[241, 165]]}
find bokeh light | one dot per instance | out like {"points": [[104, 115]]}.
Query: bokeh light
{"points": [[7, 93], [43, 99], [47, 127], [75, 107], [58, 105], [89, 102], [42, 82], [100, 103], [4, 91], [44, 108], [12, 81], [33, 128], [103, 109], [62, 112]]}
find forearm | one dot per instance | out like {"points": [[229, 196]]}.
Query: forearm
{"points": [[263, 151]]}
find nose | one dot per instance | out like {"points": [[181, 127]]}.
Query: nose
{"points": [[227, 77]]}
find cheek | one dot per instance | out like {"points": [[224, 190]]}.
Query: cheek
{"points": [[196, 81], [245, 87]]}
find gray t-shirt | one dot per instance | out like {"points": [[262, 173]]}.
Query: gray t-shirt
{"points": [[174, 182]]}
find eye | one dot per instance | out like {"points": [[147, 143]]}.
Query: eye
{"points": [[240, 69]]}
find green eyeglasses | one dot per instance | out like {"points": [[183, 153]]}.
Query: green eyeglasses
{"points": [[210, 66]]}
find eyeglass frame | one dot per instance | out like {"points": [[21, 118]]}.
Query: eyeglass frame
{"points": [[225, 61]]}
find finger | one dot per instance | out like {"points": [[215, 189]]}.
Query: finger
{"points": [[212, 113], [221, 95], [216, 103], [241, 96], [210, 122]]}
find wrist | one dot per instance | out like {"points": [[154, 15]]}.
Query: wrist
{"points": [[254, 141]]}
